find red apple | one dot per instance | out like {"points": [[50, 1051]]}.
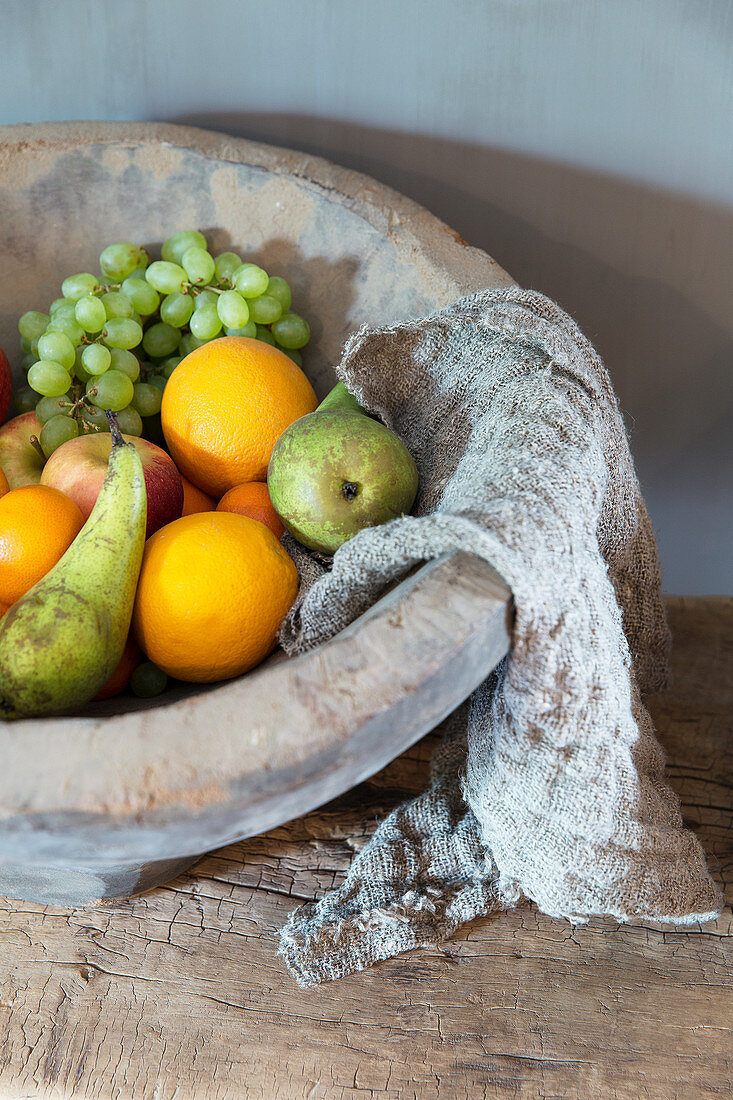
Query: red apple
{"points": [[6, 386], [19, 460], [79, 467]]}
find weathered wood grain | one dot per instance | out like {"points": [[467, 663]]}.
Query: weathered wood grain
{"points": [[180, 993]]}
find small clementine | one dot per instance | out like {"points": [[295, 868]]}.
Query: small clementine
{"points": [[37, 526], [4, 486], [224, 407], [213, 590], [252, 499], [195, 500]]}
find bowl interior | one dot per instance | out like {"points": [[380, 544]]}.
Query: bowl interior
{"points": [[61, 204]]}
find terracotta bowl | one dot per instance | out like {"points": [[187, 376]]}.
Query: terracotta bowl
{"points": [[122, 797]]}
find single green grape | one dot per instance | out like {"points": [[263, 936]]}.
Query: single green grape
{"points": [[33, 324], [205, 298], [226, 264], [158, 380], [264, 334], [278, 288], [95, 417], [250, 280], [79, 286], [291, 331], [170, 365], [166, 277], [146, 399], [129, 421], [175, 309], [205, 323], [122, 332], [117, 304], [57, 346], [96, 358], [25, 345], [90, 314], [178, 243], [161, 340], [250, 330], [198, 264], [80, 370], [60, 303], [53, 406], [294, 355], [232, 309], [145, 300], [27, 362], [265, 310], [126, 362], [57, 431], [148, 680], [68, 324], [25, 400], [112, 390], [189, 343], [117, 261], [48, 378]]}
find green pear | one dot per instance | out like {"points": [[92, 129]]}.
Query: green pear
{"points": [[62, 640], [336, 471], [340, 398]]}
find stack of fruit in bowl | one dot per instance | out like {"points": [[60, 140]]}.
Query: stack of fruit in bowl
{"points": [[152, 469]]}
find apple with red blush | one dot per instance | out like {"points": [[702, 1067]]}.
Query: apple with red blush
{"points": [[20, 461], [78, 468]]}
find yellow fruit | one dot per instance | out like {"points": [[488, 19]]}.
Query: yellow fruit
{"points": [[224, 407], [213, 590]]}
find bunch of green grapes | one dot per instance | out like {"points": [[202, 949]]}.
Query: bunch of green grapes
{"points": [[112, 341]]}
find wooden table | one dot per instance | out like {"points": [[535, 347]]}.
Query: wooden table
{"points": [[180, 993]]}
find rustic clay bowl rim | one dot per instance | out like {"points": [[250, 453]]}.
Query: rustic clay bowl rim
{"points": [[128, 763]]}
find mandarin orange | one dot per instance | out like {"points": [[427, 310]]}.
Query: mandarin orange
{"points": [[4, 486], [213, 590], [37, 526], [224, 407], [195, 499], [252, 499]]}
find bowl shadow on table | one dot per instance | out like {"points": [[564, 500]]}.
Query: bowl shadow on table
{"points": [[281, 257]]}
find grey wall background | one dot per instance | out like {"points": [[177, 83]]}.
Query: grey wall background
{"points": [[586, 144]]}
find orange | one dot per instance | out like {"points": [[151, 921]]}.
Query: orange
{"points": [[37, 526], [213, 590], [224, 407], [4, 487], [120, 678], [194, 500], [253, 500], [3, 608]]}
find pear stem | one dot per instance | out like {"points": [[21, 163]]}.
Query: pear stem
{"points": [[114, 428]]}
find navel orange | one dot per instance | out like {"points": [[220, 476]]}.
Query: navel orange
{"points": [[213, 590], [37, 526], [224, 407], [252, 499]]}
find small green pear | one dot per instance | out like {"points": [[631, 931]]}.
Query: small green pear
{"points": [[336, 471]]}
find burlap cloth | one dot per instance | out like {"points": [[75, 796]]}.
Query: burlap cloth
{"points": [[549, 783]]}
